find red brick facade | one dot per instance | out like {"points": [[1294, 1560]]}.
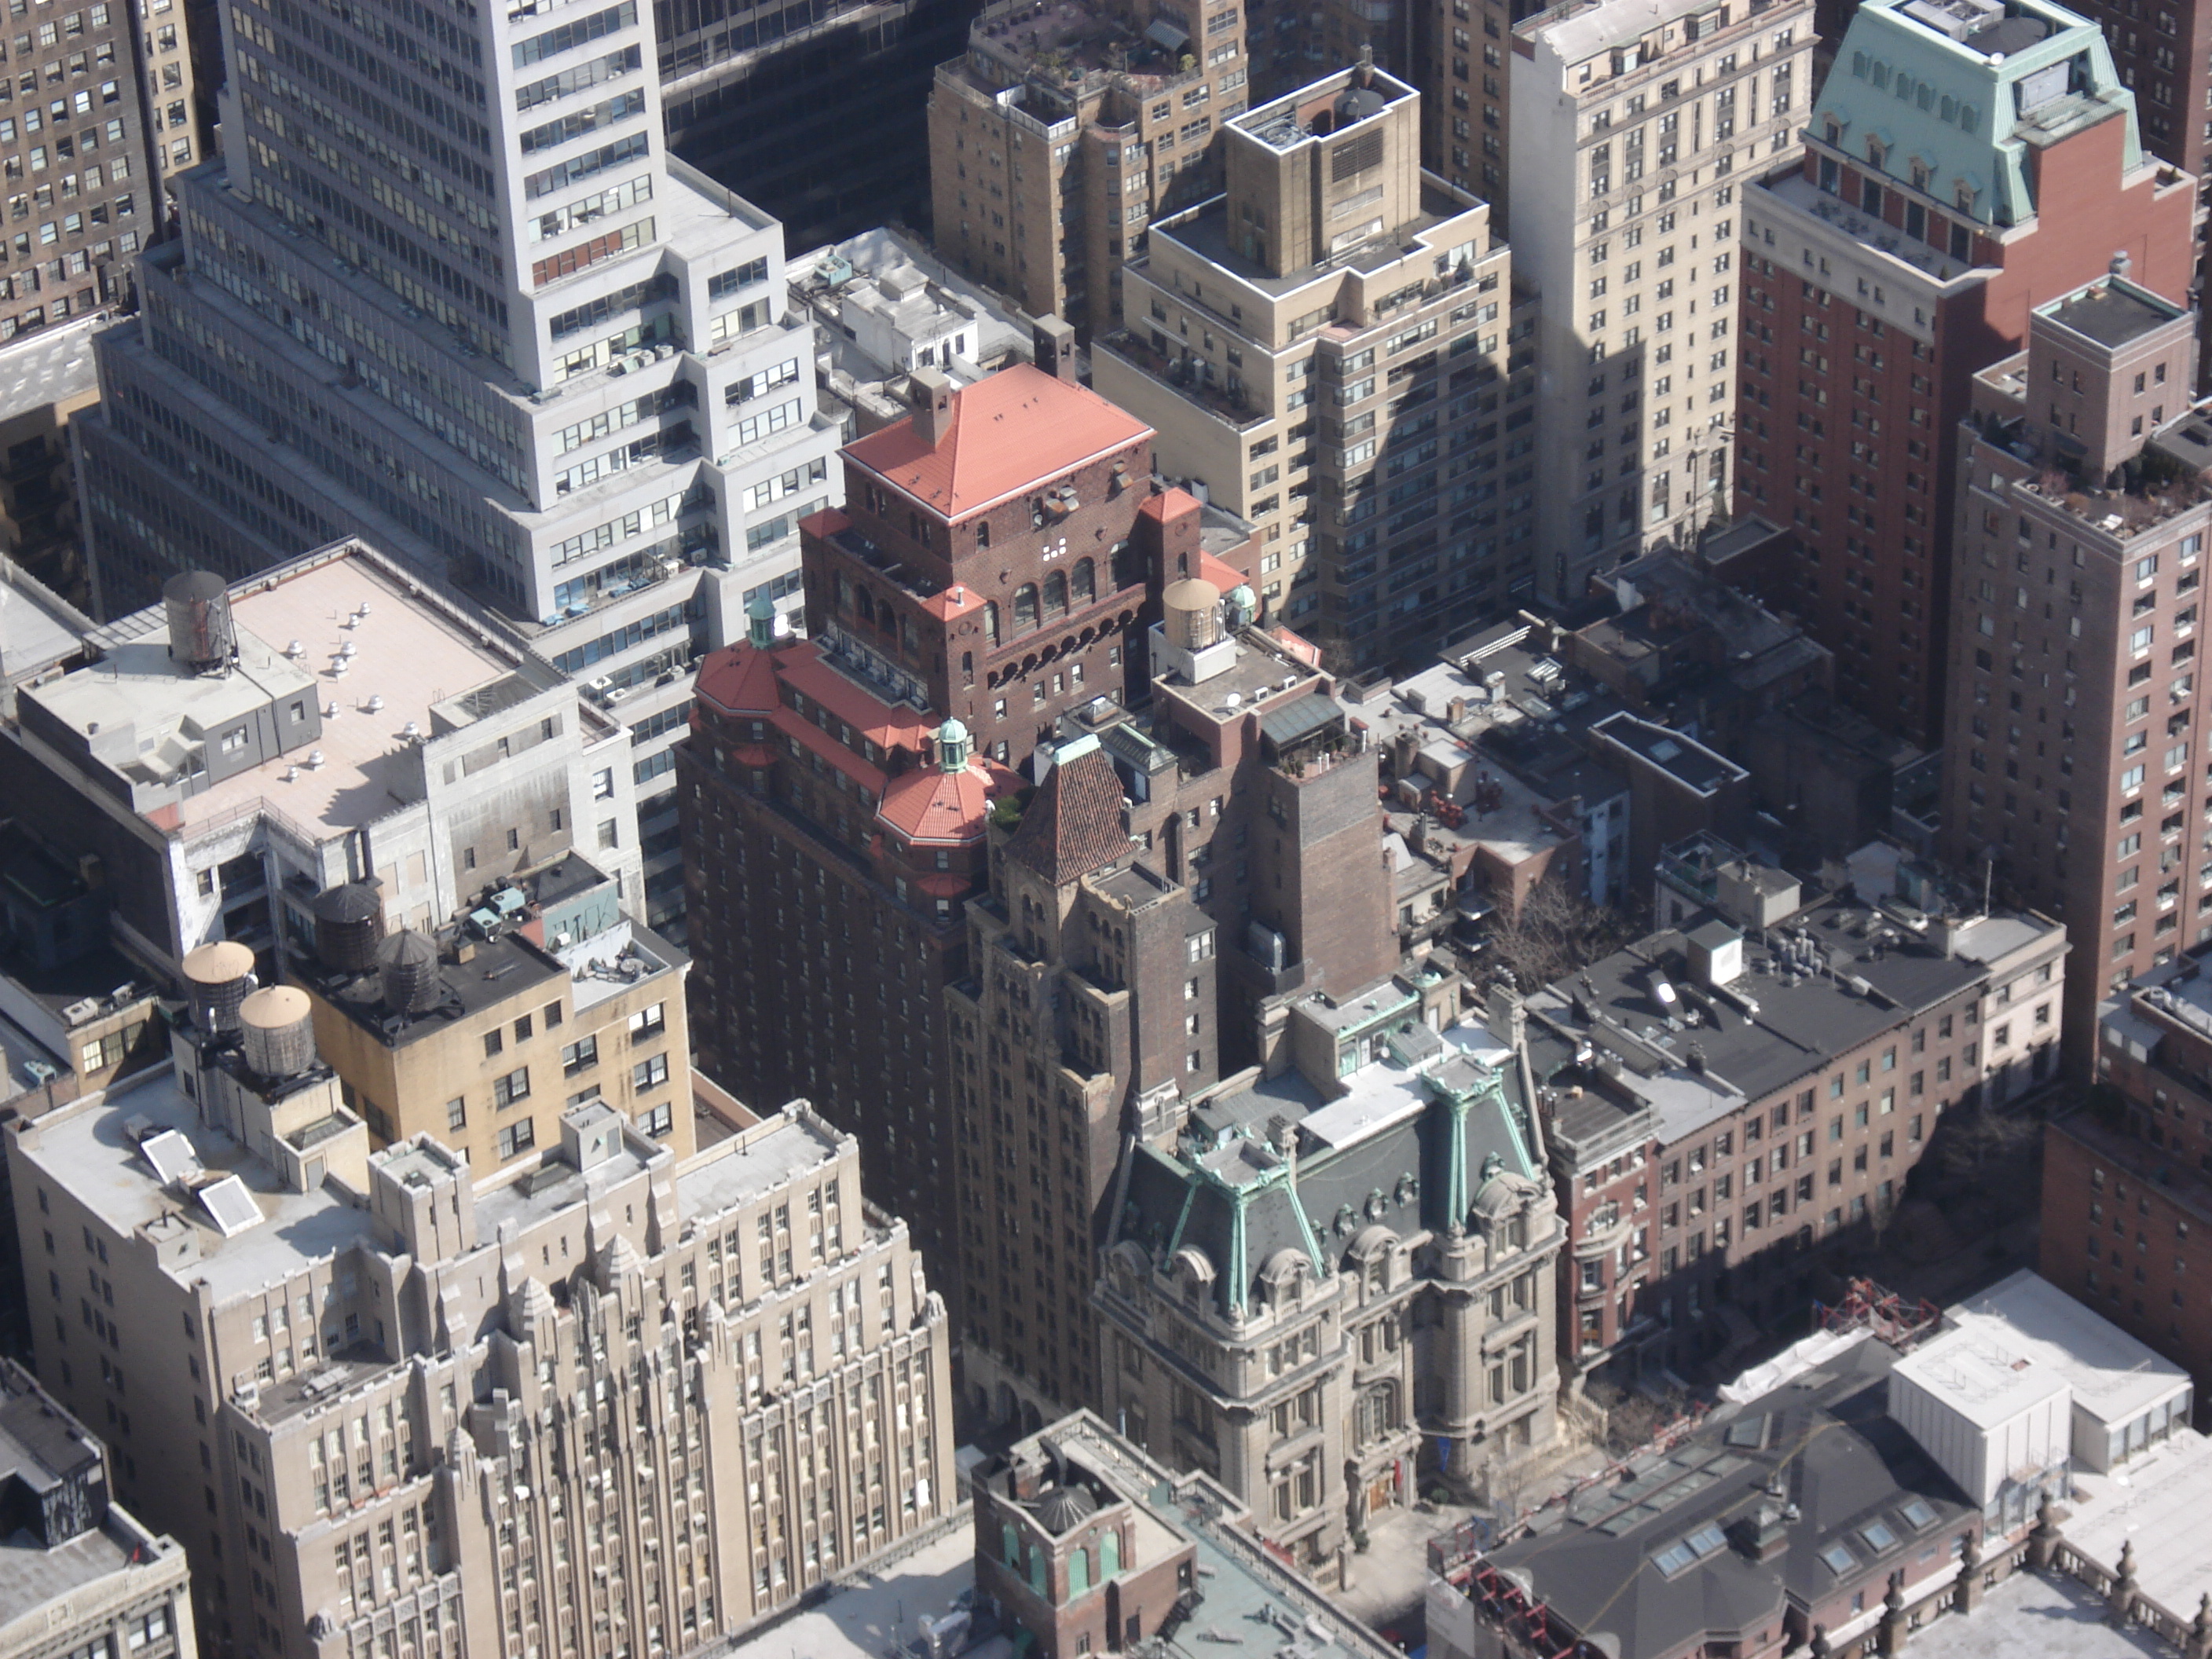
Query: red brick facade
{"points": [[1845, 421]]}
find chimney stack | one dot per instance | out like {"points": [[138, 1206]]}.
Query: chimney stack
{"points": [[933, 406], [1053, 345]]}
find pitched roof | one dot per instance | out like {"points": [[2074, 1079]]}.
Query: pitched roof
{"points": [[1074, 826], [927, 803], [1006, 431]]}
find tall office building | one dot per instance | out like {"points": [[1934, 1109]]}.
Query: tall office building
{"points": [[1063, 131], [2071, 769], [486, 322], [1326, 347], [814, 112], [605, 1401], [1964, 163], [1635, 126], [82, 184]]}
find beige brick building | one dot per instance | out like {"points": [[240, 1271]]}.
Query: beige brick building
{"points": [[1055, 142], [486, 1031], [1325, 346], [605, 1401], [80, 1577]]}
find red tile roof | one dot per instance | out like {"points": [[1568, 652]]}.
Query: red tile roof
{"points": [[931, 805], [1008, 431]]}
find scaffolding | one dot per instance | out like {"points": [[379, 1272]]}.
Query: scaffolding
{"points": [[1900, 1321], [1521, 1617]]}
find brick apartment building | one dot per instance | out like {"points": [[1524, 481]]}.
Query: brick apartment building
{"points": [[2164, 52], [1964, 163], [2071, 769], [2127, 1177], [1086, 1544], [1181, 876], [1757, 1079], [991, 575]]}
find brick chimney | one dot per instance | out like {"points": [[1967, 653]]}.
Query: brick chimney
{"points": [[933, 406], [1053, 345]]}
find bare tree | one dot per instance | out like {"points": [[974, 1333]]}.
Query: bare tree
{"points": [[1556, 930], [1978, 1137], [1880, 1212]]}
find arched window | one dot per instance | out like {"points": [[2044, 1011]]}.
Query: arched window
{"points": [[1055, 594], [1078, 1573], [1025, 607], [1087, 581], [991, 621], [968, 667], [865, 605], [1109, 1555], [1012, 1542]]}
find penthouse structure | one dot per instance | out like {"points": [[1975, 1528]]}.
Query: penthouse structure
{"points": [[1965, 163], [1328, 347], [231, 753], [2086, 495], [80, 1574], [673, 1394], [1757, 1078], [1634, 128], [1331, 1283], [1059, 136]]}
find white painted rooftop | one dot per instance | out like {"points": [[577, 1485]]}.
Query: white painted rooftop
{"points": [[2114, 1377]]}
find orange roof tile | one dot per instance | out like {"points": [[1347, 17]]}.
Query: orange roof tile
{"points": [[1223, 576], [933, 806], [1008, 431], [885, 723], [739, 680]]}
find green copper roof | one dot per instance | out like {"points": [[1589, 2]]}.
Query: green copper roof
{"points": [[1962, 90]]}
